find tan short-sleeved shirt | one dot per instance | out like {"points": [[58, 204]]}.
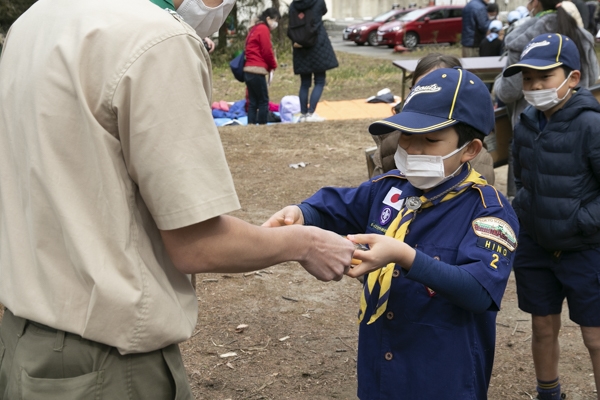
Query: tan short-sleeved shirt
{"points": [[106, 136]]}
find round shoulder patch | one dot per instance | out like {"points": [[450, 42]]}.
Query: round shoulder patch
{"points": [[497, 230]]}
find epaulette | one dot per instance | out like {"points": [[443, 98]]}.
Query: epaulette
{"points": [[391, 174], [490, 197]]}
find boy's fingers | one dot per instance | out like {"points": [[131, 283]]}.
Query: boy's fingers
{"points": [[359, 238], [358, 257], [274, 221], [356, 271]]}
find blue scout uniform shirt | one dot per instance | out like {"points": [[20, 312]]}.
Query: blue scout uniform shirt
{"points": [[425, 347]]}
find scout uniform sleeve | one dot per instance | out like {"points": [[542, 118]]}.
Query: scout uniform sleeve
{"points": [[455, 284], [488, 248], [343, 210], [170, 143]]}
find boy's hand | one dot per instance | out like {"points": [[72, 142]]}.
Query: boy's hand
{"points": [[289, 215], [382, 251]]}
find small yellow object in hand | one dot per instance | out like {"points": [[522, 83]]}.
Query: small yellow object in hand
{"points": [[358, 246]]}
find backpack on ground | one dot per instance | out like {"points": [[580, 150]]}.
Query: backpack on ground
{"points": [[303, 27], [289, 106]]}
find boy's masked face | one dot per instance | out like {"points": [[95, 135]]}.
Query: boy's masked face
{"points": [[540, 87], [425, 158]]}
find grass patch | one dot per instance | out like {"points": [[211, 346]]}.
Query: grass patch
{"points": [[356, 77]]}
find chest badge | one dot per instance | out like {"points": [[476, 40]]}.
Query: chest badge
{"points": [[413, 203], [393, 199], [386, 215]]}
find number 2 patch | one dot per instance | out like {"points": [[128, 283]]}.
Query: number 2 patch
{"points": [[495, 235]]}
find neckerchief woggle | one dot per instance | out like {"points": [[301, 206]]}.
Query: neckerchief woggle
{"points": [[397, 230]]}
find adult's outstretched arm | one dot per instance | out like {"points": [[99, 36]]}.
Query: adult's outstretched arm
{"points": [[230, 245]]}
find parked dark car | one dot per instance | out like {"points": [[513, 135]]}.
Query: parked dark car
{"points": [[366, 32], [437, 24]]}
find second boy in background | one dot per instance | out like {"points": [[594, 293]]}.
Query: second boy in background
{"points": [[557, 172], [444, 238]]}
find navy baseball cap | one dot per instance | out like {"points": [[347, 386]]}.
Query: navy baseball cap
{"points": [[442, 98], [547, 51]]}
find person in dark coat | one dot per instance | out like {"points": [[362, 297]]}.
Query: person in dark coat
{"points": [[475, 24], [313, 61]]}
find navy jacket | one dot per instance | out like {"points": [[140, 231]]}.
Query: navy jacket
{"points": [[321, 56], [557, 172], [475, 23]]}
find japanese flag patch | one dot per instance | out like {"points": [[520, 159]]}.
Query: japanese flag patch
{"points": [[497, 230], [393, 199]]}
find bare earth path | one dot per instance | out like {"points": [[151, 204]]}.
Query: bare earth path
{"points": [[301, 337]]}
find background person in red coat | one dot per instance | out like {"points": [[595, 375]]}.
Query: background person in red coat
{"points": [[260, 61]]}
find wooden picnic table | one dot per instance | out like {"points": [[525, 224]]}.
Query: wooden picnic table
{"points": [[486, 68]]}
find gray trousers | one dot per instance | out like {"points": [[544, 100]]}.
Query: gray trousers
{"points": [[38, 362]]}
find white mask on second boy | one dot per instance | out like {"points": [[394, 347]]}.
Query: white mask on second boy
{"points": [[203, 19], [424, 172], [545, 99]]}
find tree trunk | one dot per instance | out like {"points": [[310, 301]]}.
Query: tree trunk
{"points": [[225, 27], [280, 34]]}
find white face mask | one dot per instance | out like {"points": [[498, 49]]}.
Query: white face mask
{"points": [[424, 172], [273, 25], [545, 99], [203, 19]]}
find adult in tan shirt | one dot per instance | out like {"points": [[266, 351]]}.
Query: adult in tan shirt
{"points": [[113, 188]]}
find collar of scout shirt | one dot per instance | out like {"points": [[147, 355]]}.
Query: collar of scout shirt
{"points": [[398, 228], [164, 4]]}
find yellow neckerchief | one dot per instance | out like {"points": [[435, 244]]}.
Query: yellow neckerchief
{"points": [[397, 230]]}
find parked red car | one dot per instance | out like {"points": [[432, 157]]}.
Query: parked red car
{"points": [[366, 32], [437, 24]]}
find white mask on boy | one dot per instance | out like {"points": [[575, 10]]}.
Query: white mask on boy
{"points": [[424, 172], [545, 99], [203, 19]]}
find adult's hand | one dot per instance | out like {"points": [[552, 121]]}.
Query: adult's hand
{"points": [[210, 44], [329, 255]]}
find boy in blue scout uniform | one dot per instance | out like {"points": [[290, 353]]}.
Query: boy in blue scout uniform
{"points": [[444, 237], [556, 151]]}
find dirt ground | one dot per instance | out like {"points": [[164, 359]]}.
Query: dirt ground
{"points": [[301, 338], [301, 335]]}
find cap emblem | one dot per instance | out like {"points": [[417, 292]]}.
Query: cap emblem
{"points": [[422, 89], [533, 46]]}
